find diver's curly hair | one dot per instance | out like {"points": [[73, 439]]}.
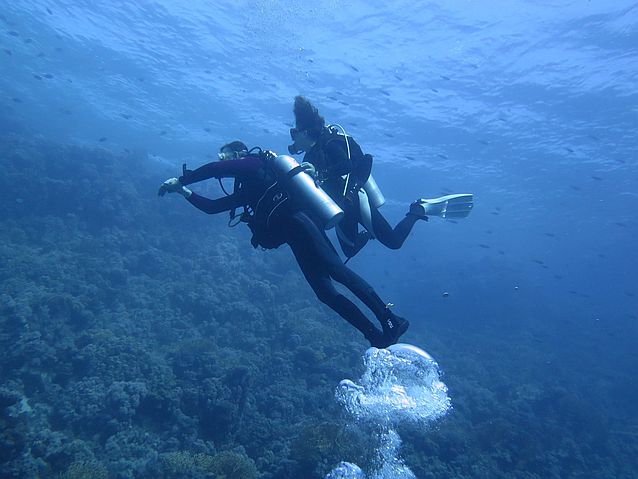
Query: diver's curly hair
{"points": [[307, 117]]}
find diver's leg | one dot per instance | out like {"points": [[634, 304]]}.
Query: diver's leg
{"points": [[350, 240], [393, 326], [393, 238], [311, 249]]}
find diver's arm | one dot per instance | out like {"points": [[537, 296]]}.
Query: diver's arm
{"points": [[219, 205], [221, 169]]}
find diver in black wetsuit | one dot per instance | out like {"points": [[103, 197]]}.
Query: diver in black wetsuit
{"points": [[275, 217], [343, 171], [333, 159]]}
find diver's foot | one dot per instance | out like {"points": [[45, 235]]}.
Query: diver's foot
{"points": [[377, 339], [393, 327], [417, 209]]}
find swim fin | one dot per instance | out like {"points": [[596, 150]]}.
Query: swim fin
{"points": [[449, 206]]}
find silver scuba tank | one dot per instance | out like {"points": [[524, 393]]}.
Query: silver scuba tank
{"points": [[302, 188], [375, 196]]}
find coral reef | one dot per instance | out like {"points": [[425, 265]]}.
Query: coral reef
{"points": [[143, 339]]}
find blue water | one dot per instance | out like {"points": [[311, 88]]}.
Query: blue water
{"points": [[530, 106]]}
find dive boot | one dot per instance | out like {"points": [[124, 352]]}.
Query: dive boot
{"points": [[393, 327]]}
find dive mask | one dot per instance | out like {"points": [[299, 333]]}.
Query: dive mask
{"points": [[231, 155], [294, 149]]}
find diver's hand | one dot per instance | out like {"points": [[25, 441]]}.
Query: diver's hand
{"points": [[309, 168], [172, 185]]}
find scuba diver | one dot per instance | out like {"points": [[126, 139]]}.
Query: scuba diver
{"points": [[341, 168], [282, 204]]}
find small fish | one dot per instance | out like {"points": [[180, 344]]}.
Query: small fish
{"points": [[398, 77], [601, 255], [573, 187], [385, 92], [16, 100], [597, 178], [344, 103], [501, 252], [484, 246], [434, 90], [102, 139], [411, 158], [445, 77], [594, 137], [13, 33], [354, 68], [49, 11], [442, 156], [7, 51], [622, 225], [266, 130], [630, 294], [495, 213], [162, 133], [551, 235], [538, 261], [65, 111], [489, 232], [59, 49], [140, 79], [558, 276], [41, 55], [208, 72], [569, 150], [207, 130], [126, 150], [389, 135], [28, 40], [47, 75], [126, 116], [484, 142], [497, 208]]}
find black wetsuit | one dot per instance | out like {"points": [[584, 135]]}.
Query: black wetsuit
{"points": [[330, 158], [313, 251]]}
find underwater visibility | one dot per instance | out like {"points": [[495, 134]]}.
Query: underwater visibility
{"points": [[318, 240]]}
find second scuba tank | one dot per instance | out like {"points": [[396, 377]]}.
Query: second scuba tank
{"points": [[375, 196], [303, 189]]}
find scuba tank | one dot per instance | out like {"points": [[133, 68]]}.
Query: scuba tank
{"points": [[303, 189], [375, 196]]}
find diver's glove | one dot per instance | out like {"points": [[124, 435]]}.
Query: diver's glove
{"points": [[309, 168], [172, 185]]}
